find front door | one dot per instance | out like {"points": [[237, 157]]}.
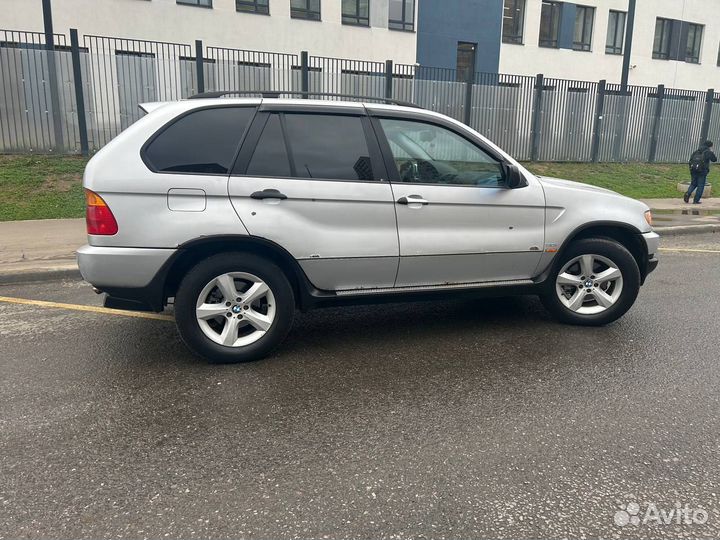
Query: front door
{"points": [[313, 184], [457, 221]]}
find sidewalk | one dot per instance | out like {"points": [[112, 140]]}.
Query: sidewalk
{"points": [[32, 248], [39, 246]]}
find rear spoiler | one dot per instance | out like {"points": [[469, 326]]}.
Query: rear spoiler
{"points": [[147, 108]]}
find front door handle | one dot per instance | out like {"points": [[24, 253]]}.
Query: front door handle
{"points": [[268, 194], [412, 199]]}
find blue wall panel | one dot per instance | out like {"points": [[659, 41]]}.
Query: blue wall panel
{"points": [[443, 23]]}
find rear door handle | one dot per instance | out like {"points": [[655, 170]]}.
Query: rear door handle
{"points": [[268, 194], [412, 199]]}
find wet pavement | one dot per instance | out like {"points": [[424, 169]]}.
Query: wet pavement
{"points": [[455, 419]]}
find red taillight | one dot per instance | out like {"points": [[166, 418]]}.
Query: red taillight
{"points": [[99, 218]]}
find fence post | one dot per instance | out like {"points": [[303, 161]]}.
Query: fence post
{"points": [[535, 133], [388, 79], [200, 66], [597, 125], [52, 74], [468, 96], [656, 122], [304, 73], [705, 133], [79, 91]]}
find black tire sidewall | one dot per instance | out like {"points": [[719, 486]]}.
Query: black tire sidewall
{"points": [[201, 274], [604, 247]]}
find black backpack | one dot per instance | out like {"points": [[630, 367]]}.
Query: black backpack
{"points": [[697, 161]]}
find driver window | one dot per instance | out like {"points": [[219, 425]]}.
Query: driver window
{"points": [[430, 154]]}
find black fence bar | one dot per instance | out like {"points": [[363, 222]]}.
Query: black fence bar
{"points": [[305, 72], [537, 112], [656, 122], [79, 92], [388, 79], [469, 83], [200, 66], [597, 124], [707, 114]]}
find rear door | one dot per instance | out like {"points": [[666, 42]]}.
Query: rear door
{"points": [[457, 220], [312, 180]]}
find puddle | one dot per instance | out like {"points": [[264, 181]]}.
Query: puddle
{"points": [[698, 214]]}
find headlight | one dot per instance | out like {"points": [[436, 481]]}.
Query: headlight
{"points": [[648, 217]]}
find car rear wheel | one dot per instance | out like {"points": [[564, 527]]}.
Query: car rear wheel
{"points": [[594, 283], [234, 307]]}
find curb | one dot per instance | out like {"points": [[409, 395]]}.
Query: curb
{"points": [[687, 229], [68, 271]]}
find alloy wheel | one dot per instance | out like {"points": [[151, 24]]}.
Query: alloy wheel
{"points": [[589, 284]]}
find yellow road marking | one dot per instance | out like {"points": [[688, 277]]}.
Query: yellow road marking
{"points": [[91, 309], [688, 250]]}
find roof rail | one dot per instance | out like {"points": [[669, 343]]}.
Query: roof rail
{"points": [[277, 93]]}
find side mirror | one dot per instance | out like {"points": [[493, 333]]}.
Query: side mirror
{"points": [[513, 177]]}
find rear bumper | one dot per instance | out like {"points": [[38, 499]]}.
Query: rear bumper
{"points": [[132, 277]]}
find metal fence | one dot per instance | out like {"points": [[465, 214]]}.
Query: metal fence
{"points": [[60, 98]]}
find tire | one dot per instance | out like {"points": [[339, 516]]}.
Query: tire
{"points": [[592, 308], [247, 329]]}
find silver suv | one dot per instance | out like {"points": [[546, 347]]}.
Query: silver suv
{"points": [[240, 211]]}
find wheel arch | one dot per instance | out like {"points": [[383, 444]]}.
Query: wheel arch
{"points": [[190, 253], [624, 234]]}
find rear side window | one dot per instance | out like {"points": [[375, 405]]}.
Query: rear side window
{"points": [[321, 146], [202, 142]]}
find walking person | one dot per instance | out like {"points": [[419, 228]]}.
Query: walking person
{"points": [[699, 169]]}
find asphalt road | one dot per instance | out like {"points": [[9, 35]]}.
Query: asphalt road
{"points": [[436, 420]]}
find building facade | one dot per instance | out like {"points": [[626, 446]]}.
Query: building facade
{"points": [[365, 29], [675, 43]]}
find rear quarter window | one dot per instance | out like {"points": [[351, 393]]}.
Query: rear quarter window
{"points": [[201, 142]]}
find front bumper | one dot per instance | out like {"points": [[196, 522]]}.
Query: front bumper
{"points": [[652, 241]]}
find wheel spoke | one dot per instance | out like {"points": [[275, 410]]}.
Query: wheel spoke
{"points": [[226, 284], [603, 298], [569, 279], [257, 320], [230, 332], [210, 311], [610, 274], [255, 292], [576, 301], [586, 265]]}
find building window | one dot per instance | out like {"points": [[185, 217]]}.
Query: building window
{"points": [[201, 3], [356, 12], [402, 15], [616, 32], [466, 61], [694, 41], [663, 39], [305, 9], [253, 6], [513, 21], [584, 18], [549, 24]]}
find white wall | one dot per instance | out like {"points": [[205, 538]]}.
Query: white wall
{"points": [[530, 59], [164, 20]]}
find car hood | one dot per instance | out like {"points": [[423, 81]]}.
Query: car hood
{"points": [[577, 186]]}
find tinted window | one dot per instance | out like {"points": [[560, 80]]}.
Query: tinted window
{"points": [[430, 154], [202, 142], [270, 157], [326, 146]]}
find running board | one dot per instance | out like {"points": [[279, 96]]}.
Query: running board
{"points": [[432, 288]]}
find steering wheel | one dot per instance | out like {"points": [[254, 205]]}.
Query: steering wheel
{"points": [[418, 170]]}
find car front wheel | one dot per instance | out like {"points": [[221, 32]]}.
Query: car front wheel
{"points": [[594, 283], [234, 307]]}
